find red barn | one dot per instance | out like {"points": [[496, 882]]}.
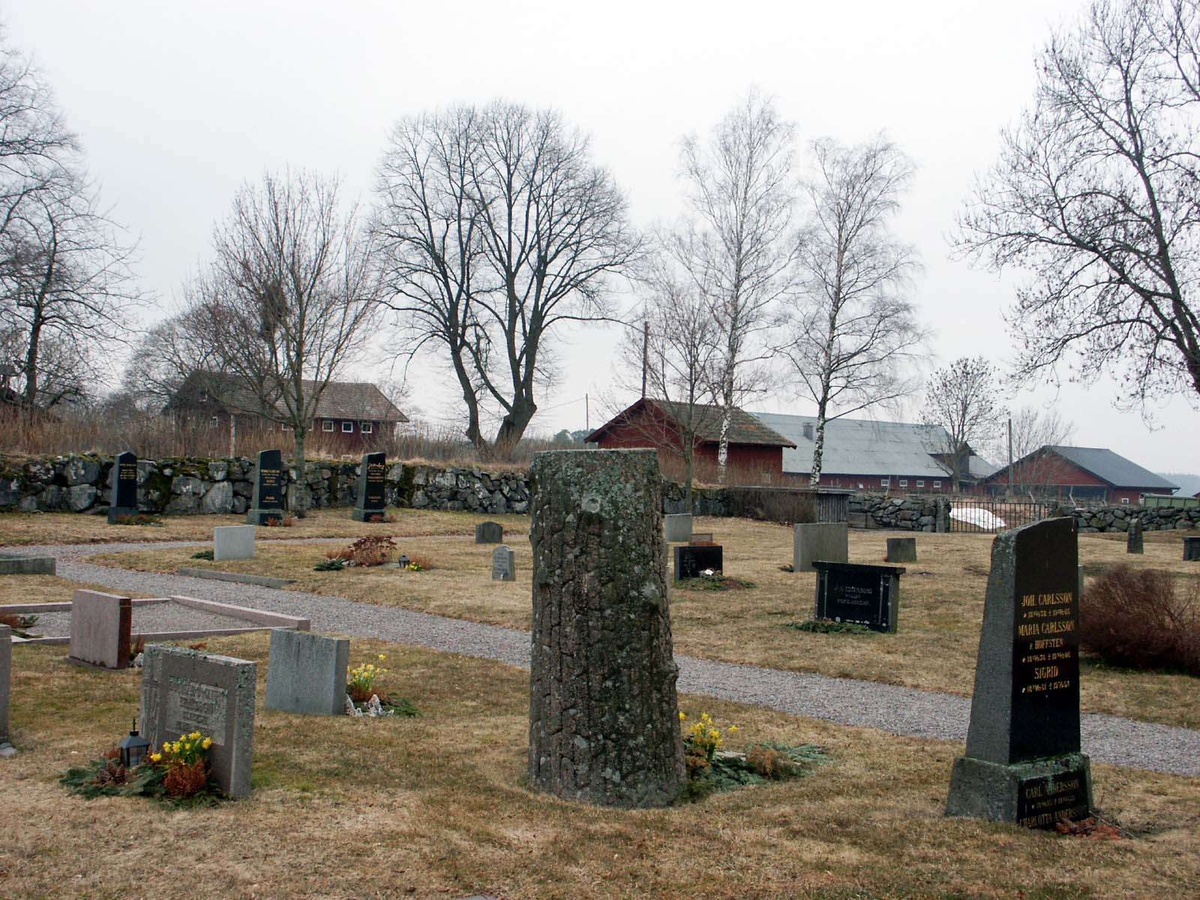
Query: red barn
{"points": [[1080, 473], [755, 451]]}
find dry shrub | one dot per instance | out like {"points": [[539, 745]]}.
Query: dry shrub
{"points": [[1143, 619], [370, 551], [423, 562], [186, 780]]}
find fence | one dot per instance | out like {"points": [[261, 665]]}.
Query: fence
{"points": [[982, 515], [787, 505]]}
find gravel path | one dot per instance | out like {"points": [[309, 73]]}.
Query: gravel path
{"points": [[899, 710]]}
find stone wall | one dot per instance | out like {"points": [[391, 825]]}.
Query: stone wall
{"points": [[906, 513], [1117, 518]]}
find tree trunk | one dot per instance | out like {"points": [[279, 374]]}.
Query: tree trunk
{"points": [[513, 426], [300, 486], [818, 447], [603, 714]]}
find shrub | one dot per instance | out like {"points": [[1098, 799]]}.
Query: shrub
{"points": [[1143, 619], [203, 554], [367, 551]]}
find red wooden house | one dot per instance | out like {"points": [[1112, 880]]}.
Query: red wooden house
{"points": [[1080, 473]]}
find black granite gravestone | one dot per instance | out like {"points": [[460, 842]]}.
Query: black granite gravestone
{"points": [[692, 561], [1023, 762], [858, 595], [1134, 541], [124, 488], [1191, 549], [372, 488], [267, 502]]}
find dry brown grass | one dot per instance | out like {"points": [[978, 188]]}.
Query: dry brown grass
{"points": [[42, 589], [935, 648], [18, 529], [435, 807]]}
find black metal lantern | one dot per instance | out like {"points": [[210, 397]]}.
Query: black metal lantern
{"points": [[403, 562], [133, 748]]}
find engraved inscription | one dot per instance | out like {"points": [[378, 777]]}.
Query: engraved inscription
{"points": [[1044, 801], [192, 706]]}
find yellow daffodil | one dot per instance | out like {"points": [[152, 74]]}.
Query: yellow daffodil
{"points": [[682, 716], [155, 757], [206, 743]]}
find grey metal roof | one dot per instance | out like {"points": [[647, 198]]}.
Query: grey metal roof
{"points": [[1113, 468], [863, 447]]}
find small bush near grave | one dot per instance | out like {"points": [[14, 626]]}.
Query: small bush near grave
{"points": [[276, 522], [376, 518], [1143, 619], [366, 696], [828, 626], [711, 770], [334, 564], [418, 564], [203, 554], [709, 580], [20, 624], [366, 552], [179, 772], [139, 519]]}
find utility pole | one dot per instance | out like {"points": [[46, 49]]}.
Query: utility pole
{"points": [[1010, 459], [645, 355], [587, 414]]}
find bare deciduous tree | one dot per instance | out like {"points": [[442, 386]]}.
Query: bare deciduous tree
{"points": [[498, 228], [963, 399], [738, 242], [288, 300], [1032, 429], [1095, 195], [852, 333]]}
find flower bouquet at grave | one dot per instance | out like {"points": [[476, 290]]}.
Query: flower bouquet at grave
{"points": [[364, 697], [179, 772], [186, 764]]}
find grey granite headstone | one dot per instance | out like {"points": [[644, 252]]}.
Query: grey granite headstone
{"points": [[1023, 762], [267, 502], [371, 496], [902, 549], [678, 527], [123, 502], [504, 564], [1134, 542], [233, 542], [5, 678], [185, 691], [828, 541], [100, 629], [306, 673], [1191, 549], [489, 533]]}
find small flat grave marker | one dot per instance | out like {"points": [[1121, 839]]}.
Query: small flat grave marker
{"points": [[504, 564], [372, 488], [233, 542], [100, 629], [306, 673], [267, 502], [489, 533], [859, 595], [1023, 762], [123, 502], [692, 561], [185, 691]]}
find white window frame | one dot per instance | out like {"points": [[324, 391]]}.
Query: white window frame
{"points": [[214, 422], [903, 482], [327, 425], [938, 485], [885, 482], [1124, 501], [204, 396], [920, 482], [366, 427], [284, 426], [347, 428]]}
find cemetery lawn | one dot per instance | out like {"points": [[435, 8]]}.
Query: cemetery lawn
{"points": [[941, 608], [435, 807], [42, 589], [29, 529]]}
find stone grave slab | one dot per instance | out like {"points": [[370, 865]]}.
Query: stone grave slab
{"points": [[859, 595], [267, 500], [678, 527], [1134, 539], [5, 679], [489, 533], [15, 564], [1023, 762], [186, 690], [124, 475], [829, 541], [692, 560], [504, 564], [100, 629], [306, 673], [233, 542], [902, 549], [371, 493]]}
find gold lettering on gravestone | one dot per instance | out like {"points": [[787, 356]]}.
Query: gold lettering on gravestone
{"points": [[127, 472], [192, 706], [1039, 616]]}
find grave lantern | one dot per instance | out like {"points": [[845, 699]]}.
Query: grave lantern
{"points": [[133, 748], [403, 562]]}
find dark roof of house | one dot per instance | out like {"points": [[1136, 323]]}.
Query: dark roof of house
{"points": [[1106, 465], [744, 428], [339, 400]]}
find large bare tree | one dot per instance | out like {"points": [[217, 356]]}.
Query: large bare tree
{"points": [[288, 300], [852, 331], [738, 241], [1095, 196], [963, 399], [498, 228]]}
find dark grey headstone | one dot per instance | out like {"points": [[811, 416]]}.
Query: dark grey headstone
{"points": [[504, 564], [1134, 540], [691, 560], [306, 673], [1023, 762], [267, 501], [185, 691], [1191, 549], [829, 541], [489, 533], [123, 502], [372, 488], [5, 678], [902, 549], [859, 595]]}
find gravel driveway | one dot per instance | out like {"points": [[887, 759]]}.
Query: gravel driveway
{"points": [[899, 710]]}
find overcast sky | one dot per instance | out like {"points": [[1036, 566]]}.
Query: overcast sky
{"points": [[178, 103]]}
